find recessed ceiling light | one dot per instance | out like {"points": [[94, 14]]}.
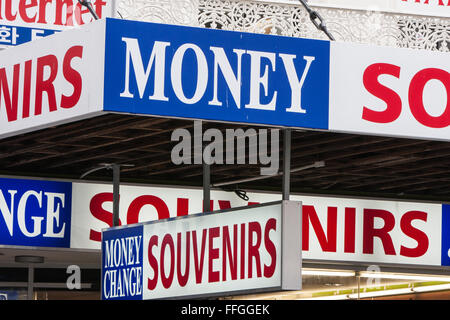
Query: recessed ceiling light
{"points": [[29, 259]]}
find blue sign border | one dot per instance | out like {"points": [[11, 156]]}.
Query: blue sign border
{"points": [[445, 247]]}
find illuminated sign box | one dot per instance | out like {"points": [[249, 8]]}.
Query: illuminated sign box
{"points": [[248, 249]]}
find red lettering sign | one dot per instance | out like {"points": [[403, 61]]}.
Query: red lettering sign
{"points": [[173, 251], [47, 69], [324, 232]]}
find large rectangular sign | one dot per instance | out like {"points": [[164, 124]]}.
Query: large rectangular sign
{"points": [[24, 20], [239, 250], [333, 228], [187, 72], [35, 213]]}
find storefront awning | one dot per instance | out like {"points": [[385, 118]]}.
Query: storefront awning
{"points": [[93, 95]]}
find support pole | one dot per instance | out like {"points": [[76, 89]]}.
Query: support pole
{"points": [[286, 164], [30, 285], [206, 177], [116, 185], [358, 277], [206, 187], [116, 193]]}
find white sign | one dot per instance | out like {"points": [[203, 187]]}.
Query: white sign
{"points": [[47, 82], [335, 229], [389, 91], [242, 250], [438, 8]]}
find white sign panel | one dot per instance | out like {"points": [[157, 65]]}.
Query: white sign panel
{"points": [[247, 249], [47, 82], [389, 91], [372, 231], [335, 229]]}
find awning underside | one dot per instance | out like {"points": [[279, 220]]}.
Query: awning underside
{"points": [[354, 164]]}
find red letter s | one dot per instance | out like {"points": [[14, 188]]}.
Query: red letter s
{"points": [[151, 283], [269, 270], [73, 77], [416, 234], [101, 214], [392, 99]]}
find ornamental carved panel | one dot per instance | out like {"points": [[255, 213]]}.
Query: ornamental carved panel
{"points": [[407, 31]]}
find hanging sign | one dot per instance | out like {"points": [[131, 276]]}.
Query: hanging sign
{"points": [[227, 252]]}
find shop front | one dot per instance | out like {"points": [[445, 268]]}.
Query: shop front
{"points": [[382, 247], [112, 93]]}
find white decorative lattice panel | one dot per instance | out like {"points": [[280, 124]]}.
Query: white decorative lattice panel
{"points": [[182, 12], [420, 32]]}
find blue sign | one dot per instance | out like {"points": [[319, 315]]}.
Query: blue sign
{"points": [[13, 36], [445, 260], [122, 255], [197, 73], [35, 213]]}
